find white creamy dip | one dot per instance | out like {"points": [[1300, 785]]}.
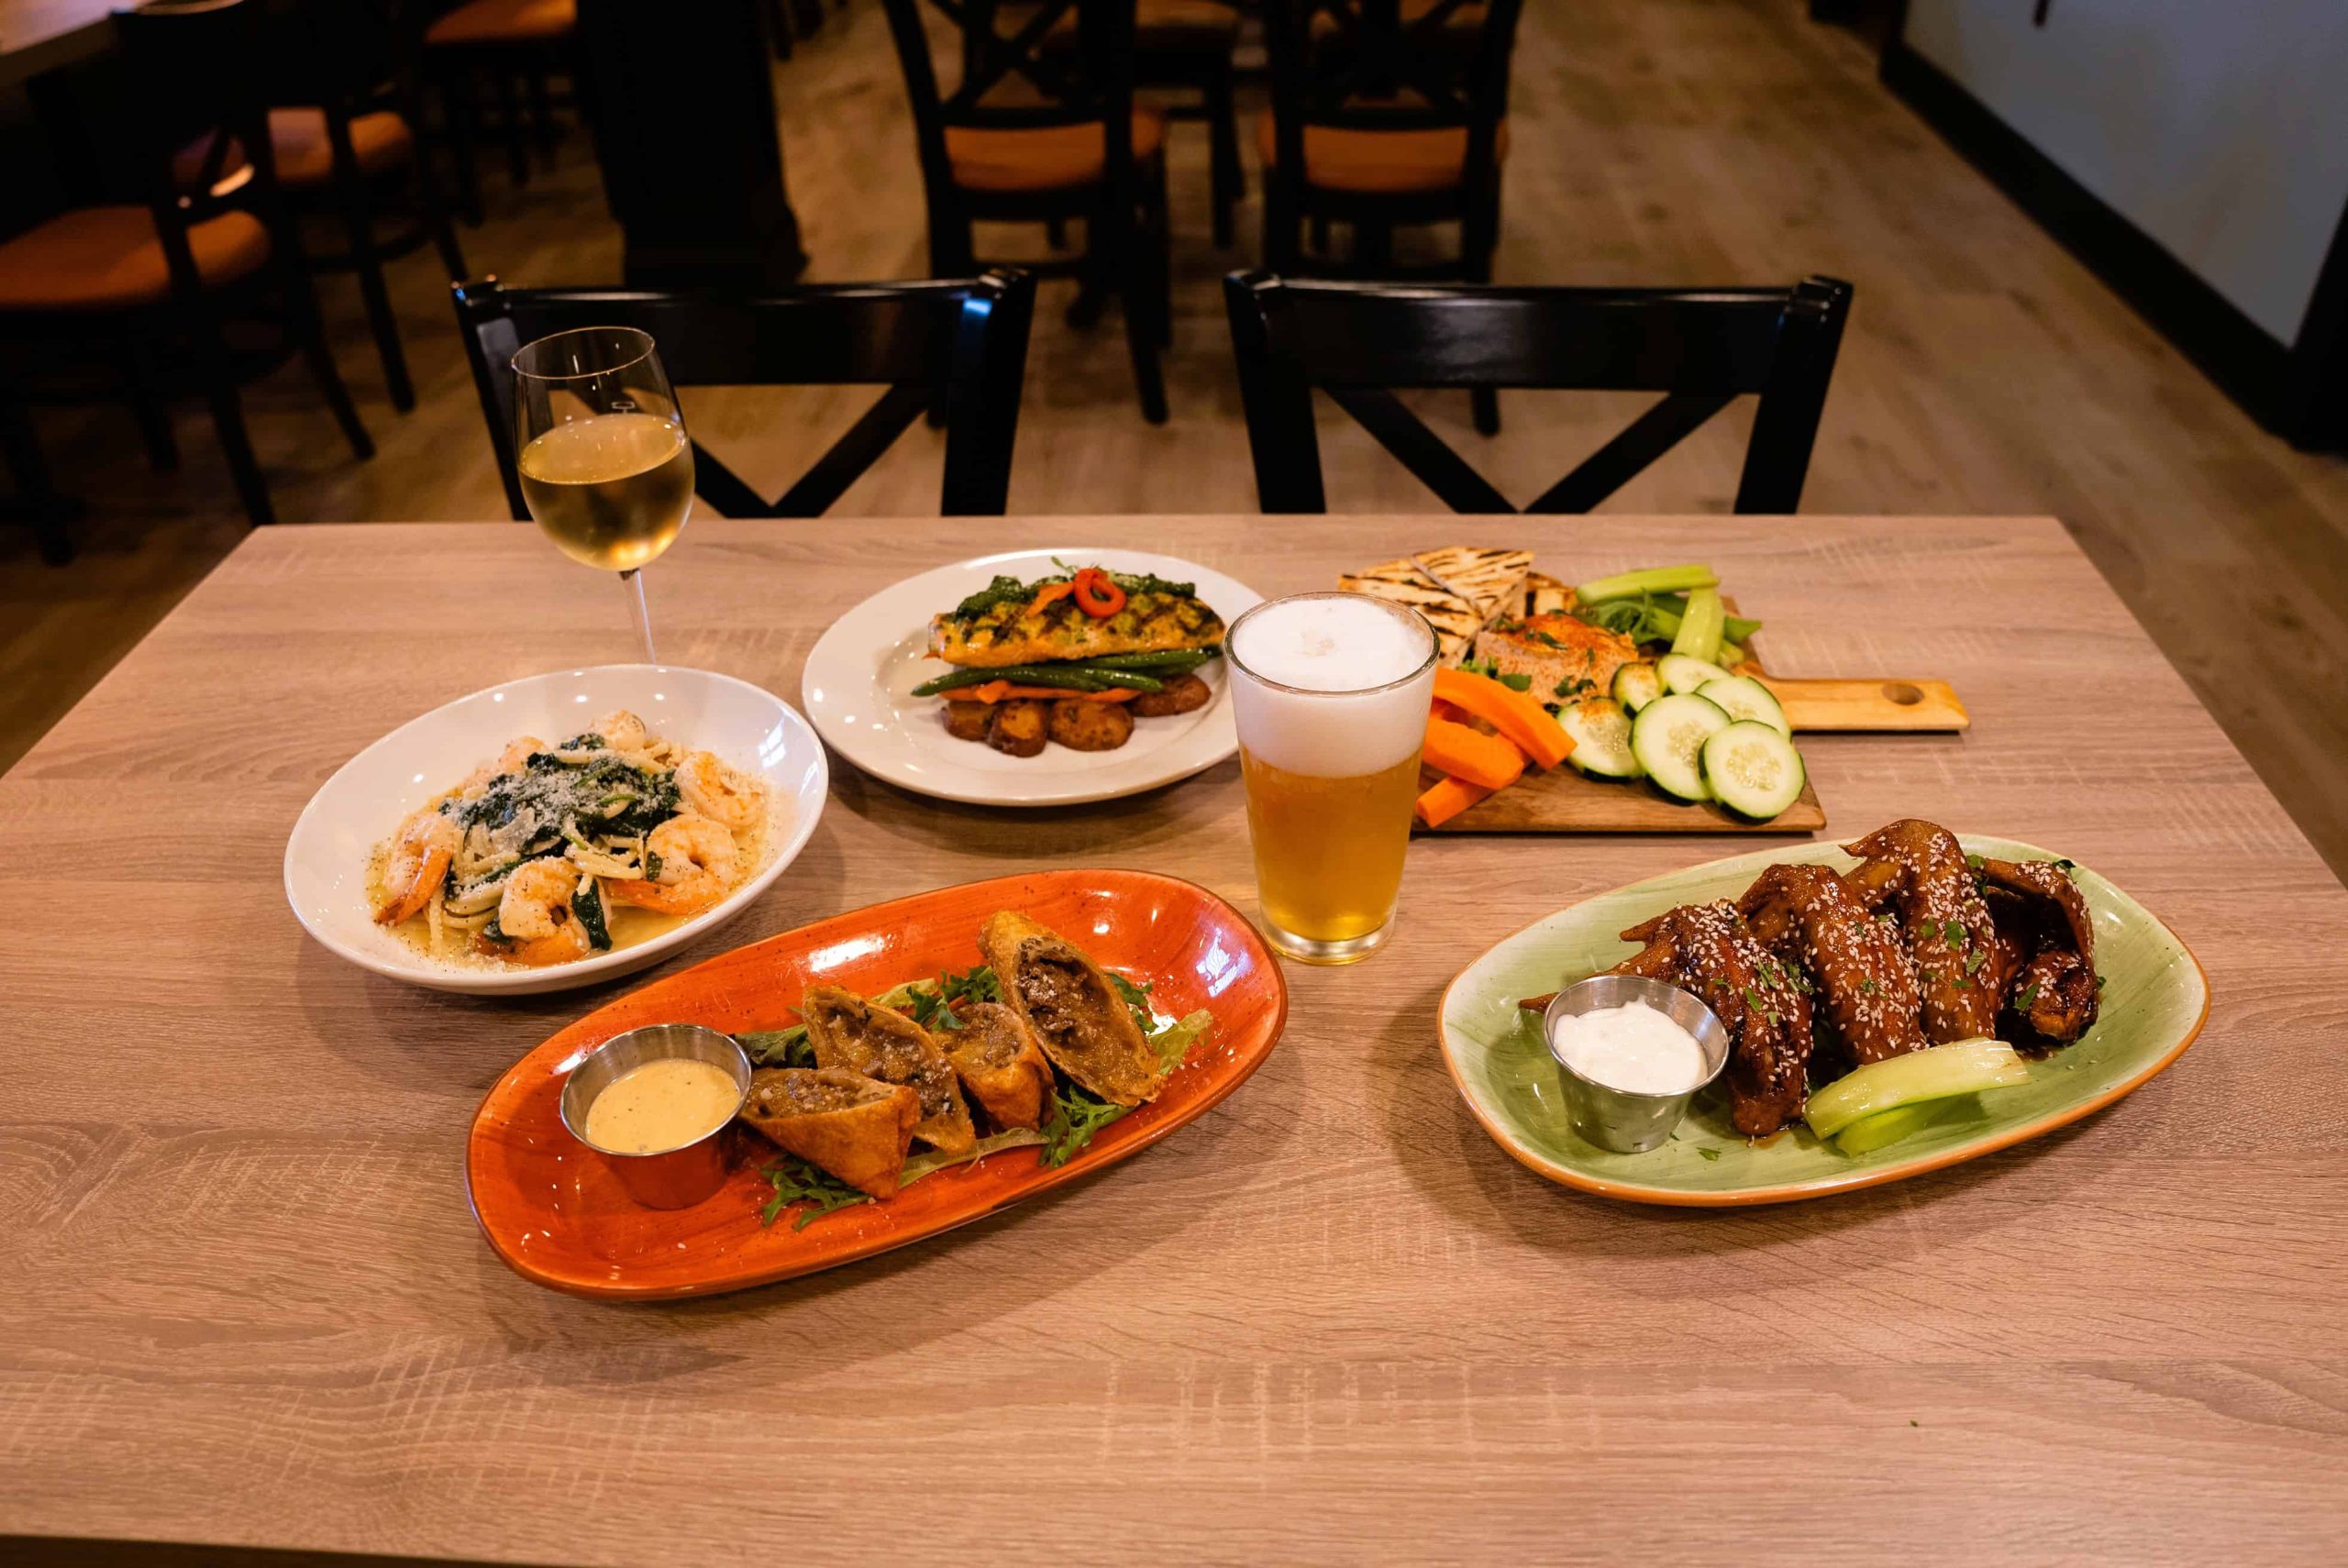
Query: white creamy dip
{"points": [[1633, 1048]]}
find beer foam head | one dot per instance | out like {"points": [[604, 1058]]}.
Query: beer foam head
{"points": [[1334, 685]]}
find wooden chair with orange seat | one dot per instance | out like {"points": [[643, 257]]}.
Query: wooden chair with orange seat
{"points": [[1189, 45], [1386, 113], [160, 280], [1032, 134], [512, 46], [343, 74]]}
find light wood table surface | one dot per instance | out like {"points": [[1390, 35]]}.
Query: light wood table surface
{"points": [[41, 35], [242, 1299]]}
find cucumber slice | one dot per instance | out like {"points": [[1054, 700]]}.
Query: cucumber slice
{"points": [[1741, 697], [1669, 739], [1685, 675], [1938, 1072], [1636, 685], [1601, 734], [1752, 770]]}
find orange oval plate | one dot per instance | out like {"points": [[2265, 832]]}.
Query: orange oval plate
{"points": [[557, 1215]]}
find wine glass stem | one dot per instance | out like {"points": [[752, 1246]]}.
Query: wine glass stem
{"points": [[633, 580]]}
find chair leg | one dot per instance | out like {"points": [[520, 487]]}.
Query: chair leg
{"points": [[359, 229], [778, 27], [1159, 240], [1127, 265], [139, 379], [461, 108], [1055, 233], [1487, 402], [436, 215], [542, 116], [517, 146], [40, 505], [309, 332], [1229, 179], [229, 420]]}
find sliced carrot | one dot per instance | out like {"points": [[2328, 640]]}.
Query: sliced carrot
{"points": [[1447, 799], [1514, 714], [1492, 761], [1004, 691], [1443, 710]]}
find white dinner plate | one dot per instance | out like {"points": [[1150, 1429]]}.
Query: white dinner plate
{"points": [[326, 858], [861, 674]]}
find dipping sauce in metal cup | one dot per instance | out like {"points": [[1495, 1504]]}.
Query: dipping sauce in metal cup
{"points": [[1634, 1118], [654, 1102]]}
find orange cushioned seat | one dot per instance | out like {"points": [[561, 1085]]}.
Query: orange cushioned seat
{"points": [[1379, 162], [1045, 158], [111, 259], [305, 156], [505, 21]]}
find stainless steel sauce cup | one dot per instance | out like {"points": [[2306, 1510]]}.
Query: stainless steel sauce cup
{"points": [[1615, 1119], [667, 1178]]}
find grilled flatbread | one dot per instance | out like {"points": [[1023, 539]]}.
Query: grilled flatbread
{"points": [[854, 1127], [1069, 1007], [1484, 578], [1542, 594], [1401, 582], [860, 1036], [1000, 1064]]}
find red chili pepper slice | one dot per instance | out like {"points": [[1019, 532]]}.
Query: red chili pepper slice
{"points": [[1097, 593]]}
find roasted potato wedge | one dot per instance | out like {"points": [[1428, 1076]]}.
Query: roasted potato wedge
{"points": [[968, 721], [1090, 726], [1018, 727], [1183, 694]]}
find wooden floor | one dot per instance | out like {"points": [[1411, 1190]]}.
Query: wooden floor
{"points": [[1657, 141]]}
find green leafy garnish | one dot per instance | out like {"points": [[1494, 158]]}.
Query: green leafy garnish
{"points": [[1075, 1116], [2026, 996], [794, 1180], [1954, 931], [779, 1047], [1975, 959], [1709, 1153]]}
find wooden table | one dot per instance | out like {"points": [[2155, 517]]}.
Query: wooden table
{"points": [[242, 1300], [41, 35]]}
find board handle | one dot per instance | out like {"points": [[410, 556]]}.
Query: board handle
{"points": [[1869, 705]]}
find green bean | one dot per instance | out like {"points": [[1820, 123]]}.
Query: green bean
{"points": [[1065, 677], [1175, 659]]}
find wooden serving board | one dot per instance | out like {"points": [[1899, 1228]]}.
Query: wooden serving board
{"points": [[1563, 800]]}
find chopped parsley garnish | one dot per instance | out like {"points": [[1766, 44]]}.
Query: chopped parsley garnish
{"points": [[2026, 996], [1709, 1153], [1954, 931]]}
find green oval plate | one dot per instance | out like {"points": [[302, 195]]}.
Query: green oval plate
{"points": [[2154, 999]]}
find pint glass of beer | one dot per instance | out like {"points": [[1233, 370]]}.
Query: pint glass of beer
{"points": [[1330, 693]]}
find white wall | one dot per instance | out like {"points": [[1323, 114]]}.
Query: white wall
{"points": [[2219, 127]]}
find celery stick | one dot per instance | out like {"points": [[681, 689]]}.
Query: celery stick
{"points": [[1731, 655], [1737, 629], [1965, 1067], [1700, 629], [1886, 1127], [1655, 580]]}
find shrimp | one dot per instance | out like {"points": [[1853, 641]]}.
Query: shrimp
{"points": [[697, 864], [719, 792], [513, 759], [622, 731], [536, 914], [415, 865]]}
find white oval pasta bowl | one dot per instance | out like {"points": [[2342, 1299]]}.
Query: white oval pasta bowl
{"points": [[326, 858]]}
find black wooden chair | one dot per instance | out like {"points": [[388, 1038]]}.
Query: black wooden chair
{"points": [[155, 283], [959, 345], [510, 47], [1029, 135], [1699, 347]]}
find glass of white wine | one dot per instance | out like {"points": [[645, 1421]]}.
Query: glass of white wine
{"points": [[605, 465]]}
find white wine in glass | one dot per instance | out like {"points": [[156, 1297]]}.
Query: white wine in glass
{"points": [[605, 465]]}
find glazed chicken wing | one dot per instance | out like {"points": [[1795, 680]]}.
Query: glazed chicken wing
{"points": [[1918, 868], [1705, 949], [1869, 989], [2043, 918]]}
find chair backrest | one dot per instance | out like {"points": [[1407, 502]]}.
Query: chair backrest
{"points": [[1009, 81], [1701, 347], [960, 345], [1390, 65], [195, 72]]}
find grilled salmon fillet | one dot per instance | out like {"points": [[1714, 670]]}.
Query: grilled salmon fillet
{"points": [[1006, 633]]}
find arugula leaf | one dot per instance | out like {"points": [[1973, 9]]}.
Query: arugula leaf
{"points": [[795, 1180], [779, 1047], [1174, 1040], [1074, 1117]]}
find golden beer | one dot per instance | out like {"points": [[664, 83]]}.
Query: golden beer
{"points": [[1330, 691]]}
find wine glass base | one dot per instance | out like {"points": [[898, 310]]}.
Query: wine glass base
{"points": [[1313, 950]]}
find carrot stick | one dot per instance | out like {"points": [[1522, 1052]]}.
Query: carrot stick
{"points": [[1492, 761], [1447, 799], [1004, 691], [1514, 714]]}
